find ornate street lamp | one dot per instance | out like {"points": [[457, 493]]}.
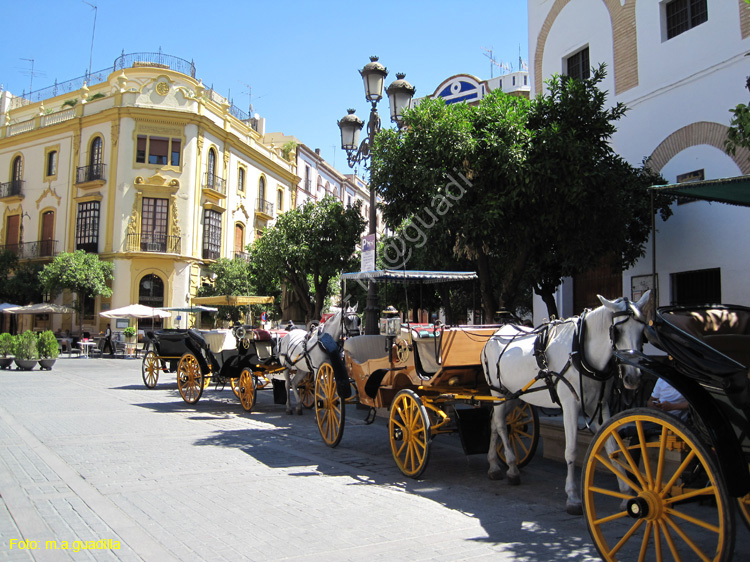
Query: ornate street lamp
{"points": [[400, 94]]}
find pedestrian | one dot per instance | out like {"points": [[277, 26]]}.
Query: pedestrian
{"points": [[108, 342], [666, 398]]}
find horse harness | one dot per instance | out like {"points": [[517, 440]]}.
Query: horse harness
{"points": [[576, 358]]}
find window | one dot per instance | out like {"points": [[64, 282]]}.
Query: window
{"points": [[308, 181], [279, 200], [17, 170], [151, 293], [696, 287], [525, 80], [51, 167], [578, 65], [241, 179], [87, 227], [239, 240], [47, 242], [262, 189], [211, 166], [154, 225], [12, 233], [682, 15], [211, 235], [159, 151], [514, 80], [95, 152]]}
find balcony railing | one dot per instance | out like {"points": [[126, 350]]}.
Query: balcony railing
{"points": [[11, 188], [91, 172], [242, 256], [31, 250], [216, 183], [265, 207], [159, 243]]}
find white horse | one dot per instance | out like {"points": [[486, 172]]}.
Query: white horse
{"points": [[299, 350], [574, 362]]}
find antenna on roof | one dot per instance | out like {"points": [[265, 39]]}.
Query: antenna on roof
{"points": [[31, 74], [493, 62], [93, 31]]}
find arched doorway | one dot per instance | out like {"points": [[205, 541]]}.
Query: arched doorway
{"points": [[151, 293]]}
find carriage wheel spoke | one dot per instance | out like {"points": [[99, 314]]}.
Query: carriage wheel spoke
{"points": [[644, 542], [644, 453], [686, 539], [605, 461], [626, 537]]}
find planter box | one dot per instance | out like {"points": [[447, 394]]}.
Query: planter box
{"points": [[26, 364]]}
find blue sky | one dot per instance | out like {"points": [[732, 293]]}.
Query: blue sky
{"points": [[300, 59]]}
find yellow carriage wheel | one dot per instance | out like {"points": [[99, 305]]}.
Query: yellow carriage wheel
{"points": [[245, 389], [677, 506], [409, 428], [744, 505], [235, 382], [307, 391], [330, 411], [523, 433], [150, 369], [190, 378]]}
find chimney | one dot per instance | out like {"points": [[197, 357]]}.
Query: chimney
{"points": [[317, 151]]}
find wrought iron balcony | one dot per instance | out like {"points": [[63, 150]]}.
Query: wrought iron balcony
{"points": [[216, 183], [264, 207], [308, 185], [10, 188], [31, 250], [89, 173], [242, 256], [159, 243]]}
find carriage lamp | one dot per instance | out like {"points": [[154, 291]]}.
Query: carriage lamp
{"points": [[400, 94]]}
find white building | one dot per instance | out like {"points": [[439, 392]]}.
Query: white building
{"points": [[679, 66]]}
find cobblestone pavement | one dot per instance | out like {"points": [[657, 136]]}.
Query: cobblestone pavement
{"points": [[87, 453]]}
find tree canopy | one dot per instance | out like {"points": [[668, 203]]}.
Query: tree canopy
{"points": [[79, 272], [233, 277], [529, 190], [306, 249]]}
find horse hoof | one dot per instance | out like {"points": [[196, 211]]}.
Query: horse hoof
{"points": [[574, 508], [496, 475], [514, 480], [299, 412]]}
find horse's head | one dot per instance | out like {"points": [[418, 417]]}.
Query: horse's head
{"points": [[626, 331], [352, 322]]}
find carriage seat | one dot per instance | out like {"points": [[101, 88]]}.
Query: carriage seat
{"points": [[219, 340], [365, 348], [727, 331]]}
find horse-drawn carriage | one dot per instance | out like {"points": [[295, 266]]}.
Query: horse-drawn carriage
{"points": [[681, 480], [429, 376], [243, 357]]}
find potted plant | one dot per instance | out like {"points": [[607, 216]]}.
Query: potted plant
{"points": [[7, 345], [129, 334], [27, 353], [48, 349]]}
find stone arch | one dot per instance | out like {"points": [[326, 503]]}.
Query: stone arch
{"points": [[625, 43], [700, 132]]}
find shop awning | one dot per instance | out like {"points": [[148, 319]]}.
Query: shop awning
{"points": [[734, 191], [232, 300]]}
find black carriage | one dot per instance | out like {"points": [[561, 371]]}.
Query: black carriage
{"points": [[243, 357], [682, 480]]}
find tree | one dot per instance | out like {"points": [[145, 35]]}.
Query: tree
{"points": [[79, 272], [529, 191], [233, 277], [738, 135], [307, 248], [583, 201], [454, 169]]}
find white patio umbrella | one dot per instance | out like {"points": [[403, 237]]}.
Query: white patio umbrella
{"points": [[135, 311], [39, 308]]}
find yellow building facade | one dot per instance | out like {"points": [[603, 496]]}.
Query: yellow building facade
{"points": [[149, 169]]}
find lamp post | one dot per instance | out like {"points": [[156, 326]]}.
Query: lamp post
{"points": [[400, 93]]}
